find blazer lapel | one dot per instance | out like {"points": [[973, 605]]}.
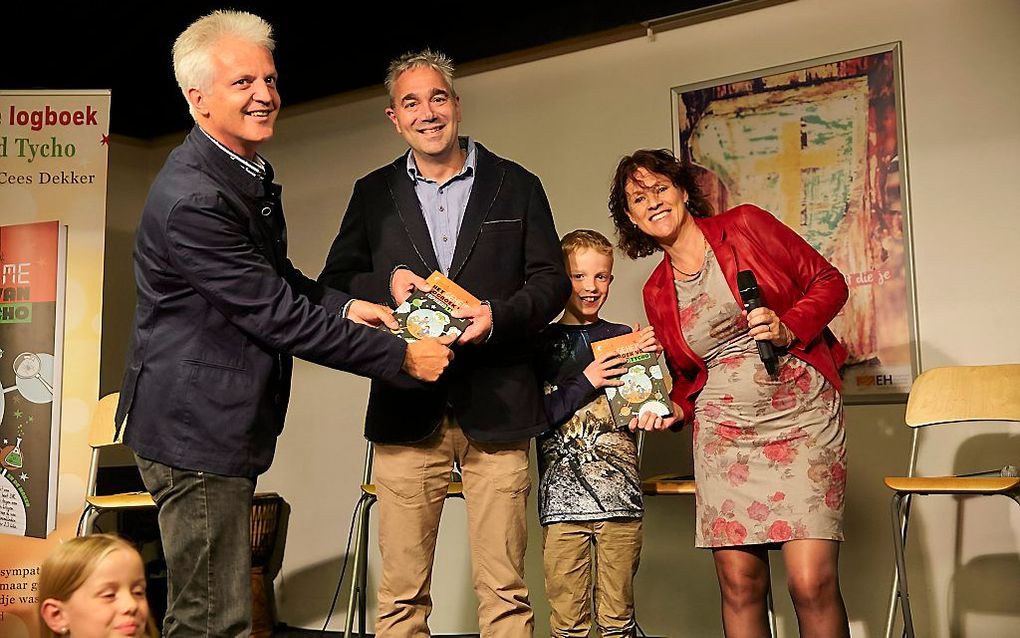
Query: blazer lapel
{"points": [[405, 200], [488, 179]]}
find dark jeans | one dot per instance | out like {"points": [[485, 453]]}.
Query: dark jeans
{"points": [[205, 526]]}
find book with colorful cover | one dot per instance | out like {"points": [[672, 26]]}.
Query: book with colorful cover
{"points": [[430, 314], [645, 383], [32, 277]]}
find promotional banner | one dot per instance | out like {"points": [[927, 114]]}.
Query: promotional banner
{"points": [[53, 172]]}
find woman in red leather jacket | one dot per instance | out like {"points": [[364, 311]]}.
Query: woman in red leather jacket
{"points": [[769, 450]]}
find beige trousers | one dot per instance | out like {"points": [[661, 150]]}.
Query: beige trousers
{"points": [[412, 481], [569, 551]]}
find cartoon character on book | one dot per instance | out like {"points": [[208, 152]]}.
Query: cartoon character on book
{"points": [[424, 323], [637, 386], [638, 390], [34, 373]]}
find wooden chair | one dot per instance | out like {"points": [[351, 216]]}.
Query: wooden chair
{"points": [[359, 573], [685, 485], [101, 438], [949, 396]]}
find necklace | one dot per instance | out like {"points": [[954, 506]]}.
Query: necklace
{"points": [[691, 274], [686, 274]]}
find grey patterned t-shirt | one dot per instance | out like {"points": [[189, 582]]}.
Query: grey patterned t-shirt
{"points": [[587, 465]]}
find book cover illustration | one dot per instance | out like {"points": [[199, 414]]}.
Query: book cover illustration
{"points": [[429, 314], [645, 385], [31, 313]]}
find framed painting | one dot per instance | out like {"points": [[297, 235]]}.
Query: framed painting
{"points": [[821, 145]]}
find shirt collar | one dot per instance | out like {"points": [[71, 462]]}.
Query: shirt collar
{"points": [[466, 143], [257, 168]]}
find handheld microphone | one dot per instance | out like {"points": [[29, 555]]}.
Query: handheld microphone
{"points": [[751, 296]]}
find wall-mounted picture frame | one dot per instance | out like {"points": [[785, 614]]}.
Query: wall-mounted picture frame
{"points": [[821, 144]]}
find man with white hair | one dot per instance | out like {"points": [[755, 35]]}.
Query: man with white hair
{"points": [[221, 310]]}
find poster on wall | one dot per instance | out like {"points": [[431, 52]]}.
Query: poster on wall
{"points": [[32, 268], [53, 166], [820, 144]]}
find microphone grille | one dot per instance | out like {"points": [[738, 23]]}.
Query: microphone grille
{"points": [[745, 280]]}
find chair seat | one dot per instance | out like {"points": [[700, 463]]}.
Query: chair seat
{"points": [[953, 484], [456, 490], [668, 484], [131, 500]]}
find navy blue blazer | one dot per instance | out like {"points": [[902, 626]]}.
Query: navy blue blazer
{"points": [[221, 309], [507, 253]]}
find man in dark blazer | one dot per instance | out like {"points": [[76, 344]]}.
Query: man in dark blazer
{"points": [[221, 310], [451, 205]]}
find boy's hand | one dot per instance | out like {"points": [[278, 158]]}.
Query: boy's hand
{"points": [[648, 342], [603, 371]]}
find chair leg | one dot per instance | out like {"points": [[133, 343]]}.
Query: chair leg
{"points": [[900, 515], [771, 610], [363, 585], [360, 512], [894, 599], [88, 517], [899, 534]]}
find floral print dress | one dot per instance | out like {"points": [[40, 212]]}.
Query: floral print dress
{"points": [[769, 453]]}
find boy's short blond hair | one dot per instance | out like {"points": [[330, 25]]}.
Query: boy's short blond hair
{"points": [[583, 238]]}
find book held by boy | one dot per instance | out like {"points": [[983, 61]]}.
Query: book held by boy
{"points": [[645, 384], [430, 314]]}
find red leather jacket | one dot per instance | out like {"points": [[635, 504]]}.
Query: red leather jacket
{"points": [[797, 283]]}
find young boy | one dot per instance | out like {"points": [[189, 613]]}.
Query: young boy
{"points": [[589, 492]]}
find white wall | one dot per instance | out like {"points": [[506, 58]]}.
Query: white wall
{"points": [[569, 119], [133, 165]]}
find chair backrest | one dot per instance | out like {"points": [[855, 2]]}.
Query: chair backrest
{"points": [[965, 394], [102, 429]]}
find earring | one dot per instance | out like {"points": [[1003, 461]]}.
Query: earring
{"points": [[64, 630]]}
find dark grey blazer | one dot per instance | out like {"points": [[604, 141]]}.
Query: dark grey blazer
{"points": [[221, 309], [507, 253]]}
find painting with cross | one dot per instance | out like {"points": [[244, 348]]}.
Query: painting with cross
{"points": [[820, 145]]}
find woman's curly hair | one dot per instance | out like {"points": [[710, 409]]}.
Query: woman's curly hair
{"points": [[630, 239]]}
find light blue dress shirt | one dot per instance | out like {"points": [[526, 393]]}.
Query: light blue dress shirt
{"points": [[443, 205]]}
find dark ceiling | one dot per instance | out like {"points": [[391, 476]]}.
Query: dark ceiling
{"points": [[320, 52]]}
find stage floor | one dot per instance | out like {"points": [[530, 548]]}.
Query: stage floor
{"points": [[284, 631]]}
